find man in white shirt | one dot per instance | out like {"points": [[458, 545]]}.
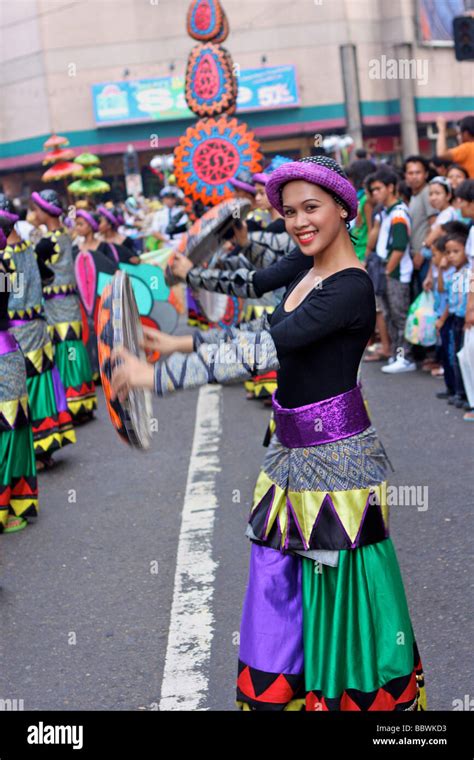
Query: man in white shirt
{"points": [[170, 222]]}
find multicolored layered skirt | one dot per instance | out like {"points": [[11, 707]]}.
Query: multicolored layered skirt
{"points": [[71, 358], [325, 622], [50, 419], [18, 485]]}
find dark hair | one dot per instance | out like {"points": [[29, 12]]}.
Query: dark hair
{"points": [[455, 228], [359, 170], [459, 168], [386, 177], [6, 205], [437, 161], [458, 238], [361, 153], [416, 159], [404, 190], [466, 190], [440, 243], [467, 125]]}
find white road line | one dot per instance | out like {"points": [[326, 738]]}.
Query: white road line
{"points": [[185, 678]]}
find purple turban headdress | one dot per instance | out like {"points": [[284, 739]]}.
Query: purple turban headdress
{"points": [[319, 170], [48, 200], [93, 223]]}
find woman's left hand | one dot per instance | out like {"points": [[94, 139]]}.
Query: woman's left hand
{"points": [[130, 373], [241, 234]]}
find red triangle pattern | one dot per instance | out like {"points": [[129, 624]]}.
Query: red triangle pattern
{"points": [[20, 488], [279, 692], [84, 390], [382, 701]]}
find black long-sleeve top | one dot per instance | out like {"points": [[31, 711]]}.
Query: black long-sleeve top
{"points": [[320, 343]]}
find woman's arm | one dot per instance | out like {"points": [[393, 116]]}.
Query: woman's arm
{"points": [[245, 283], [240, 355]]}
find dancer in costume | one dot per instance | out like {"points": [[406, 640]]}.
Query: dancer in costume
{"points": [[121, 247], [62, 308], [18, 484], [91, 257], [50, 419], [325, 622]]}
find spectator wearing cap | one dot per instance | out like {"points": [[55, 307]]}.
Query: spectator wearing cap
{"points": [[170, 222], [462, 154]]}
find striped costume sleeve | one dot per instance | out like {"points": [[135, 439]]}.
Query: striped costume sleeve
{"points": [[234, 355]]}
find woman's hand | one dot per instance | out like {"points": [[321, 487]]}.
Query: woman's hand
{"points": [[241, 234], [180, 265], [130, 373], [158, 341]]}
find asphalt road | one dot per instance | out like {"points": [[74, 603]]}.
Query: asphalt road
{"points": [[86, 592]]}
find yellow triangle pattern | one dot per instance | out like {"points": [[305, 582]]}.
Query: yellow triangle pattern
{"points": [[30, 312], [349, 506], [82, 405], [45, 444], [18, 247], [37, 357], [20, 506], [62, 328], [9, 409]]}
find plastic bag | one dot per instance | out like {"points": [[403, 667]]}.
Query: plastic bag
{"points": [[420, 325], [466, 363]]}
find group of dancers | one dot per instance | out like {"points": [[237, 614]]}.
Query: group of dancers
{"points": [[46, 383], [325, 621]]}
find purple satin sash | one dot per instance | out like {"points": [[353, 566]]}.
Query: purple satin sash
{"points": [[49, 296], [8, 344], [322, 422], [21, 322]]}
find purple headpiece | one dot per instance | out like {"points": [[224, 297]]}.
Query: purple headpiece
{"points": [[111, 217], [244, 181], [8, 215], [262, 178], [50, 208], [89, 218], [319, 170]]}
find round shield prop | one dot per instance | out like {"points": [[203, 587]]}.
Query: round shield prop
{"points": [[207, 233], [119, 325]]}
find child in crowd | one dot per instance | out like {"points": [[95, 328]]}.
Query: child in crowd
{"points": [[451, 322], [456, 175], [441, 268]]}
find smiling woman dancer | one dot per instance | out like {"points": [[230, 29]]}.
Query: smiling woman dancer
{"points": [[325, 622]]}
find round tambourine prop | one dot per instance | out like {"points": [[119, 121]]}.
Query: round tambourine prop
{"points": [[207, 234], [119, 325], [210, 154]]}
